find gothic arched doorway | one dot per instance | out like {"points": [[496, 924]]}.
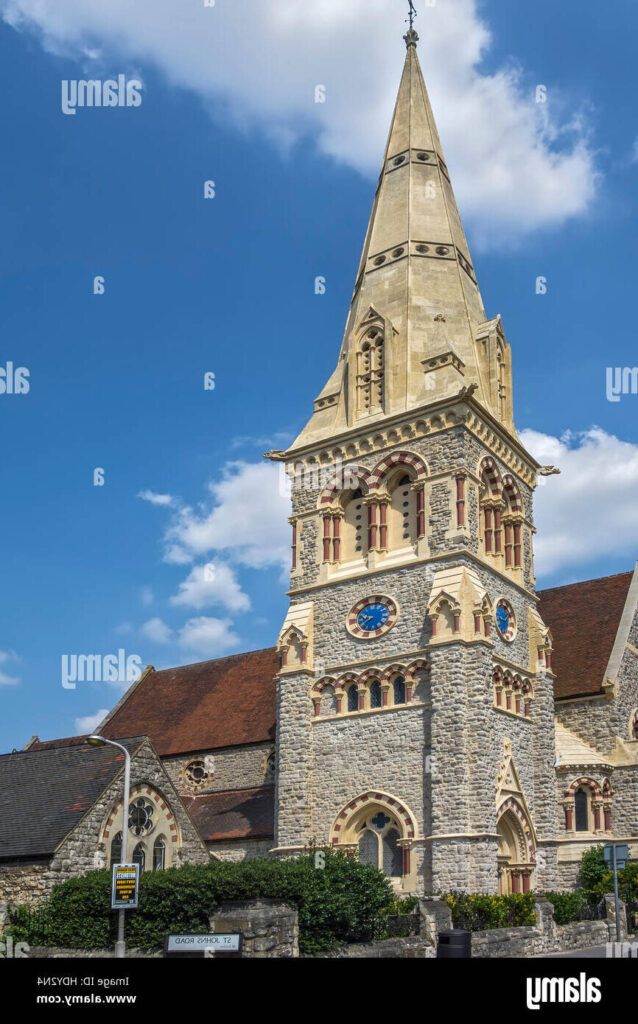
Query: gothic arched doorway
{"points": [[516, 859]]}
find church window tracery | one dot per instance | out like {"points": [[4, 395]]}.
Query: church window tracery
{"points": [[370, 372]]}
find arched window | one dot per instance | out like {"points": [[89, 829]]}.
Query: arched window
{"points": [[159, 854], [353, 698], [139, 856], [369, 848], [355, 527], [375, 694], [391, 854], [378, 843], [116, 849], [634, 727], [370, 373], [581, 809], [398, 687], [402, 512], [328, 701]]}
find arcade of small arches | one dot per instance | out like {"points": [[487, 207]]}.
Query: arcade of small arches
{"points": [[588, 805], [512, 693], [153, 834], [396, 686], [501, 517], [382, 510]]}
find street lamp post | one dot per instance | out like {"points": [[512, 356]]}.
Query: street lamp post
{"points": [[98, 741]]}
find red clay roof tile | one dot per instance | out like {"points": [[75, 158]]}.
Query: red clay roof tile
{"points": [[222, 703], [583, 619]]}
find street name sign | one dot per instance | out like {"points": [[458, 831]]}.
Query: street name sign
{"points": [[221, 942]]}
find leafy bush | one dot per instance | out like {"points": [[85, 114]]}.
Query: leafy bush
{"points": [[592, 870], [567, 905], [334, 902], [627, 883], [479, 911]]}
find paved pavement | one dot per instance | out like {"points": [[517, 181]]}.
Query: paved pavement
{"points": [[592, 953]]}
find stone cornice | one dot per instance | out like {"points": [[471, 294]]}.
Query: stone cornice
{"points": [[460, 553], [433, 418]]}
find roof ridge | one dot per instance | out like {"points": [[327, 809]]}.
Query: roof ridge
{"points": [[580, 583]]}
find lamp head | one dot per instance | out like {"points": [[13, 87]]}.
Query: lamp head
{"points": [[95, 741]]}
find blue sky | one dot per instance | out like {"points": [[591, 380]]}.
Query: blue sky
{"points": [[227, 285]]}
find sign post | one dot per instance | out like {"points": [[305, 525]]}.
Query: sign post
{"points": [[617, 855], [125, 886]]}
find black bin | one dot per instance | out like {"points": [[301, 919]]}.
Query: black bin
{"points": [[455, 944]]}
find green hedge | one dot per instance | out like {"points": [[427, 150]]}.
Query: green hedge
{"points": [[567, 905], [479, 912], [334, 902]]}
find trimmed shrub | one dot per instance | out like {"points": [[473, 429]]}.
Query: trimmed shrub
{"points": [[479, 912], [592, 870], [567, 905], [335, 902]]}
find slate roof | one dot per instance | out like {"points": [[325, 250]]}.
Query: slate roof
{"points": [[234, 814], [45, 792], [222, 703], [583, 619]]}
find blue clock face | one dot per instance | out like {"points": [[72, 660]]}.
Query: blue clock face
{"points": [[502, 618], [372, 617]]}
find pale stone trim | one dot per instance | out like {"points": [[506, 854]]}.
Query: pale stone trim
{"points": [[622, 636]]}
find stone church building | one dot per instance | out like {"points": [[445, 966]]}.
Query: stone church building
{"points": [[425, 708]]}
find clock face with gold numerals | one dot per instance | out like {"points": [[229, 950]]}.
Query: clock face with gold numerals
{"points": [[372, 617]]}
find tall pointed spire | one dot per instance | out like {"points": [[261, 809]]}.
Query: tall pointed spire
{"points": [[416, 330]]}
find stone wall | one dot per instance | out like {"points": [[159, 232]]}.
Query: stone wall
{"points": [[24, 883], [240, 849], [268, 928], [244, 767]]}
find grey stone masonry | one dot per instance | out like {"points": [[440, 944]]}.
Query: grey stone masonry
{"points": [[440, 757], [268, 928]]}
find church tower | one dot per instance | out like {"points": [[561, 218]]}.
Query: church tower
{"points": [[415, 721]]}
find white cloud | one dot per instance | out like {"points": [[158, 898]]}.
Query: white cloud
{"points": [[589, 511], [212, 584], [89, 723], [206, 637], [248, 520], [5, 678], [156, 499], [518, 165], [157, 631]]}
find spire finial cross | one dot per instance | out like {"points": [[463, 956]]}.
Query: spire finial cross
{"points": [[411, 36]]}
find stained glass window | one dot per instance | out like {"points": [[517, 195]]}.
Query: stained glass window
{"points": [[353, 699], [375, 694], [399, 690], [369, 848], [116, 849], [139, 857], [159, 854], [581, 809], [392, 855]]}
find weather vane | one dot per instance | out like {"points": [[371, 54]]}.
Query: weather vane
{"points": [[413, 14]]}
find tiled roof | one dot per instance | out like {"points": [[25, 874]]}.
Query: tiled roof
{"points": [[584, 620], [44, 793], [221, 703], [235, 814]]}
